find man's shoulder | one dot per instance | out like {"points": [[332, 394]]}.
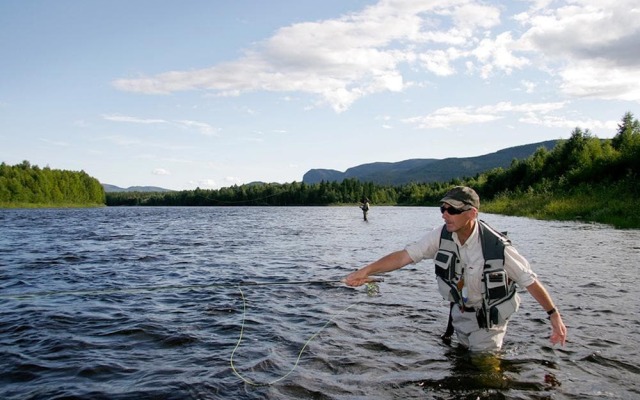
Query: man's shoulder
{"points": [[489, 230]]}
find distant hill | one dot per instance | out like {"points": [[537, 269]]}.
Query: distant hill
{"points": [[427, 170], [112, 188]]}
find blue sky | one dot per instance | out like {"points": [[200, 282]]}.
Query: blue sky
{"points": [[215, 93]]}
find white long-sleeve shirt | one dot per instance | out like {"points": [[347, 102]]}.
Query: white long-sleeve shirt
{"points": [[472, 259]]}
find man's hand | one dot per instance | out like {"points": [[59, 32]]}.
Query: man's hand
{"points": [[558, 330], [357, 278]]}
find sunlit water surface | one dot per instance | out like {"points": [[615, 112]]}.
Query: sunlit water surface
{"points": [[145, 303]]}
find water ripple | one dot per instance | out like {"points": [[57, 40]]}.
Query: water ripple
{"points": [[145, 303]]}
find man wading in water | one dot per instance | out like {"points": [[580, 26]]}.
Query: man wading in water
{"points": [[365, 207], [477, 270]]}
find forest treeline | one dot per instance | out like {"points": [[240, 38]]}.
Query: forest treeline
{"points": [[582, 177], [24, 185]]}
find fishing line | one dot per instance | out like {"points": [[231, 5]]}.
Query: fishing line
{"points": [[372, 290], [371, 286], [140, 289], [295, 365]]}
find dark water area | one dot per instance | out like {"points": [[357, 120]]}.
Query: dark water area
{"points": [[149, 303]]}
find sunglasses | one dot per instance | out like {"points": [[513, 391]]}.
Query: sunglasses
{"points": [[451, 210]]}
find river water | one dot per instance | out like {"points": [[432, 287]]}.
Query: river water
{"points": [[149, 303]]}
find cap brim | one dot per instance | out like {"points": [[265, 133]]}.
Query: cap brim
{"points": [[454, 203]]}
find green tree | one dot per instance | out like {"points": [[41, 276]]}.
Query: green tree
{"points": [[27, 184]]}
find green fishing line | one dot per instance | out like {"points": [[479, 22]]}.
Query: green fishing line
{"points": [[244, 314], [372, 289]]}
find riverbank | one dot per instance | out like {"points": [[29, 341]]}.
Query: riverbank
{"points": [[613, 205], [49, 205]]}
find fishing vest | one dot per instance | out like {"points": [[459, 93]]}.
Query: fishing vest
{"points": [[499, 295]]}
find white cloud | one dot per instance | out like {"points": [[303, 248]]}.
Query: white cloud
{"points": [[160, 171], [529, 86], [507, 106], [438, 61], [338, 61], [543, 114], [586, 29], [134, 120], [449, 117], [498, 53], [554, 121], [598, 80], [592, 44], [476, 15], [201, 127]]}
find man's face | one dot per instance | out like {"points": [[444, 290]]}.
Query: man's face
{"points": [[457, 219]]}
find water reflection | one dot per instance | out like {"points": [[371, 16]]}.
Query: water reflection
{"points": [[485, 376]]}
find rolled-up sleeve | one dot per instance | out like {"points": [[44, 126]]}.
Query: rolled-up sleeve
{"points": [[518, 268], [425, 248]]}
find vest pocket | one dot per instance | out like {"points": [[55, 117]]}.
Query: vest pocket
{"points": [[448, 292], [496, 284], [500, 313], [445, 262]]}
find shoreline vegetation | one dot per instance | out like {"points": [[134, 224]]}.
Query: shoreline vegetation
{"points": [[583, 178], [51, 205], [603, 204]]}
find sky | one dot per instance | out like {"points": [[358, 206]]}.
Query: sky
{"points": [[210, 94]]}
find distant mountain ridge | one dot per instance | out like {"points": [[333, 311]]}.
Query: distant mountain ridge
{"points": [[113, 189], [427, 170]]}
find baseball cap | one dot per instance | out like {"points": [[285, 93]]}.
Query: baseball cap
{"points": [[462, 197]]}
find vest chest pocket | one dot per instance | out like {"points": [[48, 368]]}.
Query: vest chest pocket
{"points": [[445, 262], [496, 284]]}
